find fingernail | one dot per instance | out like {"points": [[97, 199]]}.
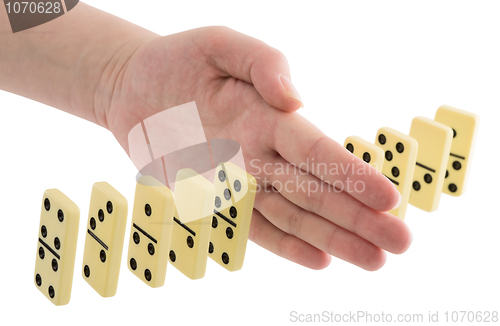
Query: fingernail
{"points": [[400, 200], [291, 90]]}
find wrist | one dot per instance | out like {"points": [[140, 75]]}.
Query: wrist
{"points": [[72, 63], [109, 44], [102, 70]]}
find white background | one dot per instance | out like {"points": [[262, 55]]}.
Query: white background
{"points": [[358, 66]]}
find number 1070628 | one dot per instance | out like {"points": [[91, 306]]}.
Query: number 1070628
{"points": [[33, 7]]}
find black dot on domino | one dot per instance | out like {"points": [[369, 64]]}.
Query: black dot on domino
{"points": [[366, 157], [147, 275], [416, 185], [102, 256], [452, 187], [210, 248], [229, 233], [217, 201], [147, 210], [100, 215], [454, 132], [237, 186], [456, 165], [86, 271], [447, 174], [57, 243], [151, 249], [227, 194], [109, 207], [395, 171], [400, 147], [133, 264], [41, 253], [190, 241], [225, 258], [52, 292], [381, 139], [44, 231], [214, 222], [92, 223], [60, 215], [222, 176], [350, 148], [388, 155], [171, 255], [233, 212], [38, 280], [55, 266], [427, 178], [46, 204], [136, 237]]}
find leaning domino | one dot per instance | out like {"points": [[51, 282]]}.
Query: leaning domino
{"points": [[235, 195], [104, 239], [366, 151], [57, 237], [464, 125], [400, 152], [434, 143], [150, 232], [194, 196]]}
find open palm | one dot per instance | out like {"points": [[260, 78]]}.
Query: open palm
{"points": [[242, 91]]}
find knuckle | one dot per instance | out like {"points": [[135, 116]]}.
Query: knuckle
{"points": [[218, 30], [256, 226], [295, 222], [360, 212], [270, 54], [316, 199], [261, 199], [333, 240], [217, 36], [316, 151], [278, 55], [258, 199]]}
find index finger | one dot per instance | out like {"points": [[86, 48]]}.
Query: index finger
{"points": [[301, 143]]}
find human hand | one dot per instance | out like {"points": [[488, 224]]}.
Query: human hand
{"points": [[243, 92]]}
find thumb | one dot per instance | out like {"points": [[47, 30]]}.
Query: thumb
{"points": [[253, 61]]}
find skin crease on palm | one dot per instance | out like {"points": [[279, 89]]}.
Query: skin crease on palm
{"points": [[236, 83], [242, 88]]}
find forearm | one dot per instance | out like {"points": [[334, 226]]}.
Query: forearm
{"points": [[71, 63]]}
